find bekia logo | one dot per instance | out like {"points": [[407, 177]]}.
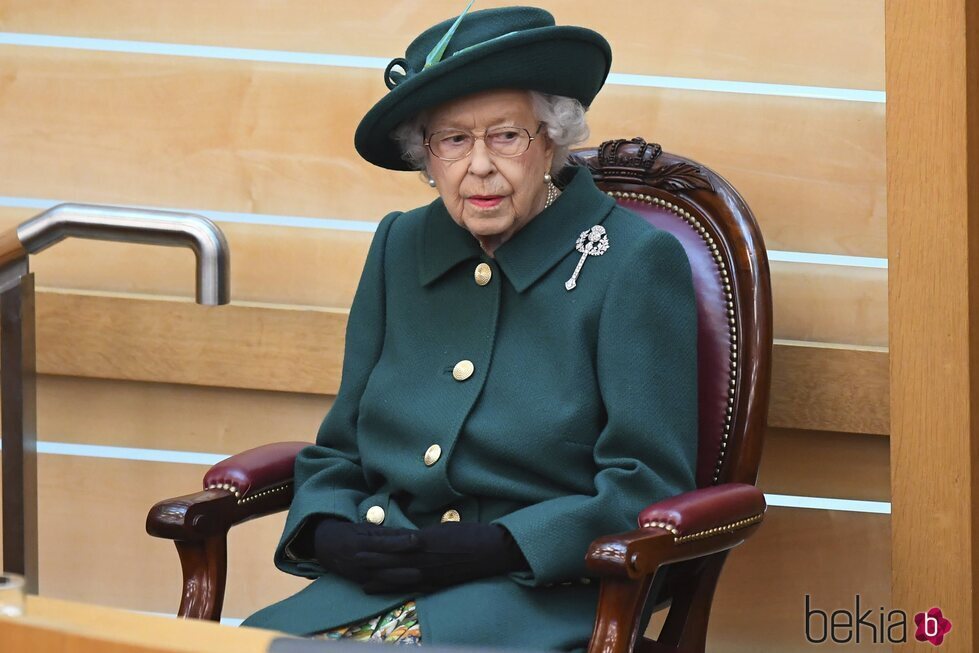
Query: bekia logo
{"points": [[873, 625], [932, 626]]}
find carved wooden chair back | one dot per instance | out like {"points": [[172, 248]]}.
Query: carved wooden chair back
{"points": [[734, 348], [731, 280]]}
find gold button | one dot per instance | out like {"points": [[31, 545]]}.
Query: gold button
{"points": [[483, 274], [432, 454], [451, 515], [375, 514], [463, 370]]}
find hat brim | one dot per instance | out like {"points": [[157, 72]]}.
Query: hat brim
{"points": [[559, 60]]}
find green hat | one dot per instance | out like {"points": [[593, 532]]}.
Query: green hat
{"points": [[510, 47]]}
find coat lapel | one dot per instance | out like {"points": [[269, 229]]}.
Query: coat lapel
{"points": [[532, 252]]}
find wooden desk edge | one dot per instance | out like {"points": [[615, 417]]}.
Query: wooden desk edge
{"points": [[143, 632]]}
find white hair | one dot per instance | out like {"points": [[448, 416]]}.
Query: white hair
{"points": [[563, 118]]}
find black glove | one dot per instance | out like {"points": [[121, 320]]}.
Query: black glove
{"points": [[446, 554], [338, 543]]}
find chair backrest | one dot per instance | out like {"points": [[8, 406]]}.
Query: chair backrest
{"points": [[731, 280]]}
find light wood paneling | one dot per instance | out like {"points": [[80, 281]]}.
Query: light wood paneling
{"points": [[317, 267], [825, 464], [829, 303], [94, 510], [266, 138], [933, 231], [811, 170], [831, 556], [223, 420], [168, 416], [300, 350], [829, 43], [823, 387], [262, 347]]}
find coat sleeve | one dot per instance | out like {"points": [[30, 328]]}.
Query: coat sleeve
{"points": [[329, 480], [646, 365]]}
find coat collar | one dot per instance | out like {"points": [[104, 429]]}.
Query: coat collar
{"points": [[532, 251]]}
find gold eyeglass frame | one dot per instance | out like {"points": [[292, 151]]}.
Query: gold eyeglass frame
{"points": [[428, 142]]}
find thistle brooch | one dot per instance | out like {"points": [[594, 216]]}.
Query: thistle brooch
{"points": [[591, 242]]}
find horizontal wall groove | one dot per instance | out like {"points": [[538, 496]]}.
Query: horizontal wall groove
{"points": [[379, 63], [46, 447]]}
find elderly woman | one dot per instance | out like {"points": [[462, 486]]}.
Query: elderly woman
{"points": [[519, 374]]}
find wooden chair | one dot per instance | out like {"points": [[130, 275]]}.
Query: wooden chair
{"points": [[686, 537]]}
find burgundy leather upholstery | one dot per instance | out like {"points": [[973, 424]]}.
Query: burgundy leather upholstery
{"points": [[706, 508], [713, 338], [256, 469]]}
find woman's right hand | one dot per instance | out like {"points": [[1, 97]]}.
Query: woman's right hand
{"points": [[337, 542]]}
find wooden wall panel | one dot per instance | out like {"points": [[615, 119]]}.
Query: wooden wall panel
{"points": [[829, 43], [94, 510], [176, 341], [300, 350], [830, 303], [319, 267], [823, 387], [933, 240], [830, 555], [811, 170], [825, 464], [169, 416], [270, 138], [226, 420]]}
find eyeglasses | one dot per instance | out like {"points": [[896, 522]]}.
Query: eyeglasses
{"points": [[456, 144]]}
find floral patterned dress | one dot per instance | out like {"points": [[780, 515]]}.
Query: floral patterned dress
{"points": [[398, 625]]}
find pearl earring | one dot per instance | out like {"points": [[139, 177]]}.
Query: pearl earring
{"points": [[547, 177], [431, 182]]}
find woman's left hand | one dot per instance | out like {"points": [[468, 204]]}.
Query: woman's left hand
{"points": [[448, 554]]}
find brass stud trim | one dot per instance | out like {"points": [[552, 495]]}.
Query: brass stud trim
{"points": [[229, 487], [279, 488], [666, 526], [715, 252], [700, 535]]}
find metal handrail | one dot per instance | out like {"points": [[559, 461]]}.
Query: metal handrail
{"points": [[18, 409], [147, 226]]}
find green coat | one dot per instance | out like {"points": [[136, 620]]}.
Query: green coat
{"points": [[581, 410]]}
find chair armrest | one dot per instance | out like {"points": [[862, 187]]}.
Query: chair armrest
{"points": [[250, 484], [687, 526], [251, 472]]}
